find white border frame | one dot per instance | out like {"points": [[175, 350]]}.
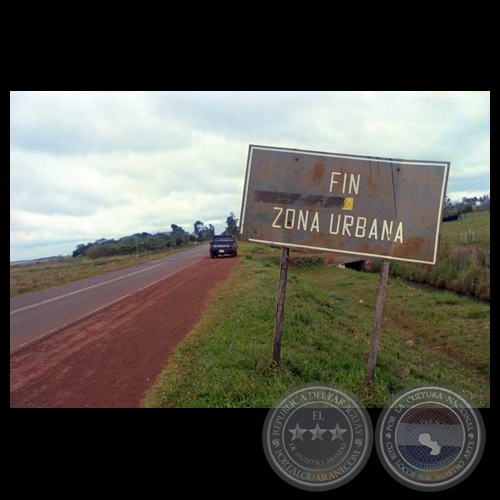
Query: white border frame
{"points": [[446, 166]]}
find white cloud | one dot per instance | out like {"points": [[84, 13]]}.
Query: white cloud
{"points": [[90, 165]]}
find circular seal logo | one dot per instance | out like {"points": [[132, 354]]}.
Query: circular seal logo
{"points": [[317, 437], [430, 438]]}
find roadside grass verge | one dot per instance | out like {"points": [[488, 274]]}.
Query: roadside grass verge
{"points": [[34, 277], [464, 260], [427, 337]]}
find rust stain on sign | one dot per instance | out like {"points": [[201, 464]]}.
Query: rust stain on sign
{"points": [[367, 206], [319, 170]]}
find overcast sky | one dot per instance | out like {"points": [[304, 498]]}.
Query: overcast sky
{"points": [[90, 165]]}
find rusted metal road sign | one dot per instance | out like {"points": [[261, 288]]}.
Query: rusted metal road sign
{"points": [[359, 205]]}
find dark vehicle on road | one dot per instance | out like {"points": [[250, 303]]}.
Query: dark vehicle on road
{"points": [[223, 245]]}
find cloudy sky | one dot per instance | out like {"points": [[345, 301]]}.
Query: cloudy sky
{"points": [[90, 165]]}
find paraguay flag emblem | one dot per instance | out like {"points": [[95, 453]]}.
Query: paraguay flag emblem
{"points": [[430, 436]]}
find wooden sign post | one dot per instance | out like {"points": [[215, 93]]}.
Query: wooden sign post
{"points": [[379, 310], [280, 305]]}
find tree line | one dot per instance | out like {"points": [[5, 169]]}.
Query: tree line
{"points": [[151, 243], [467, 205]]}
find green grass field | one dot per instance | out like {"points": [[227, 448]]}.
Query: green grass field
{"points": [[452, 233], [428, 336], [49, 273], [464, 259]]}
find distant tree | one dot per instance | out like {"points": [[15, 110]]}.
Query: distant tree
{"points": [[484, 200], [470, 201], [467, 209], [80, 250], [485, 203], [177, 229], [451, 208], [202, 232], [198, 229], [179, 235], [128, 245], [232, 225]]}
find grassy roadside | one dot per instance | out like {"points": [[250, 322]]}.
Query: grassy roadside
{"points": [[428, 336], [47, 274], [464, 259]]}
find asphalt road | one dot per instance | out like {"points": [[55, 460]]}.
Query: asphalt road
{"points": [[112, 357], [39, 314]]}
